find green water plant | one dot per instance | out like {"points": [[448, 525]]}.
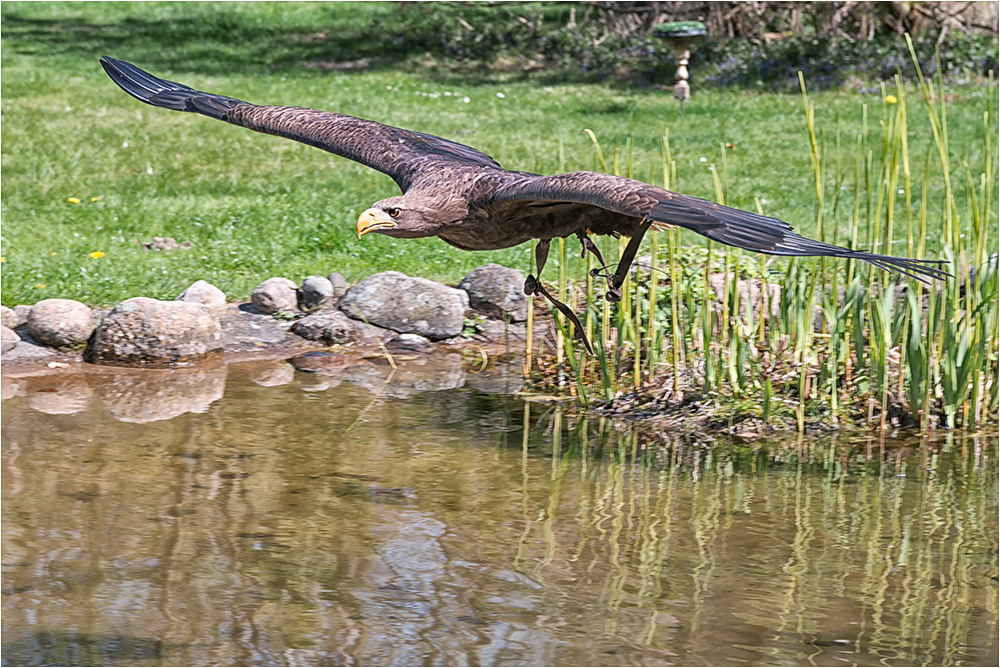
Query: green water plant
{"points": [[823, 341]]}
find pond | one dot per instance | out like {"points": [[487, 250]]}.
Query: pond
{"points": [[258, 515]]}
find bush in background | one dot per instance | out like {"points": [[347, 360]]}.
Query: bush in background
{"points": [[761, 45]]}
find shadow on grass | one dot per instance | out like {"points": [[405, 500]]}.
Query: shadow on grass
{"points": [[221, 42], [223, 45]]}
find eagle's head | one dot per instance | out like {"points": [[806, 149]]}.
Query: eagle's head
{"points": [[399, 217]]}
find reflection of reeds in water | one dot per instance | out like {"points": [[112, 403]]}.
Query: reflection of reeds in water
{"points": [[888, 552], [249, 534]]}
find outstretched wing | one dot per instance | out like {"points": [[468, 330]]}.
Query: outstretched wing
{"points": [[393, 151], [724, 224]]}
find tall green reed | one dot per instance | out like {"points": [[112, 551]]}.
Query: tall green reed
{"points": [[835, 341]]}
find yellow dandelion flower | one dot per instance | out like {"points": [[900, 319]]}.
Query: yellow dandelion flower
{"points": [[54, 253], [94, 199], [891, 99], [3, 259], [74, 200], [97, 255], [40, 286]]}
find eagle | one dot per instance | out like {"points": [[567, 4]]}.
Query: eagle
{"points": [[464, 197]]}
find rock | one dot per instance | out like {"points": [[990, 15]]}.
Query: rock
{"points": [[166, 244], [20, 315], [29, 351], [404, 304], [370, 335], [203, 292], [276, 294], [339, 285], [409, 343], [497, 291], [330, 327], [247, 329], [10, 319], [9, 338], [60, 322], [316, 291], [151, 333], [497, 331]]}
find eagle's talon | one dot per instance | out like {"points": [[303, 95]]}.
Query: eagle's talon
{"points": [[613, 295], [530, 285]]}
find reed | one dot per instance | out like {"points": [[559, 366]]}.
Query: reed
{"points": [[840, 341]]}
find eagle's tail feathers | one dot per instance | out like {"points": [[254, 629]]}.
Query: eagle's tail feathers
{"points": [[763, 234], [790, 244]]}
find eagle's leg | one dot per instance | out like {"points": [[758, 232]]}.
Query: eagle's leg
{"points": [[533, 286], [626, 261], [613, 294], [589, 245]]}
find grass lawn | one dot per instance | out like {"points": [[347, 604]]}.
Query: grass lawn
{"points": [[256, 206]]}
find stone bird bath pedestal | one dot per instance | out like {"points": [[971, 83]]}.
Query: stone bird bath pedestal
{"points": [[683, 36]]}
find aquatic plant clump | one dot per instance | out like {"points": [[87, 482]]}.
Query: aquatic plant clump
{"points": [[814, 341]]}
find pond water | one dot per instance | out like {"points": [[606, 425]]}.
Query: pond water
{"points": [[256, 515]]}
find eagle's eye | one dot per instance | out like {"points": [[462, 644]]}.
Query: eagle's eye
{"points": [[393, 213]]}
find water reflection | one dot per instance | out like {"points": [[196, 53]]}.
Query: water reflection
{"points": [[58, 395], [348, 526]]}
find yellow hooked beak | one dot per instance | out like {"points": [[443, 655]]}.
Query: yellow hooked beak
{"points": [[373, 219]]}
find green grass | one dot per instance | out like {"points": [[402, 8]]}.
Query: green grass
{"points": [[257, 206]]}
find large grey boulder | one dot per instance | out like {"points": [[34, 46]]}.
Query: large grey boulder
{"points": [[405, 304], [497, 291], [203, 292], [151, 333], [60, 322], [276, 294]]}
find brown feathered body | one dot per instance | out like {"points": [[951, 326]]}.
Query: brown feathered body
{"points": [[458, 182], [466, 198]]}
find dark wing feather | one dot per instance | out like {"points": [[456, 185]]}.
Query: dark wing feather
{"points": [[399, 153], [724, 224]]}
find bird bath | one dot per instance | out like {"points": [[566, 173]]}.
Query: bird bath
{"points": [[682, 35]]}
